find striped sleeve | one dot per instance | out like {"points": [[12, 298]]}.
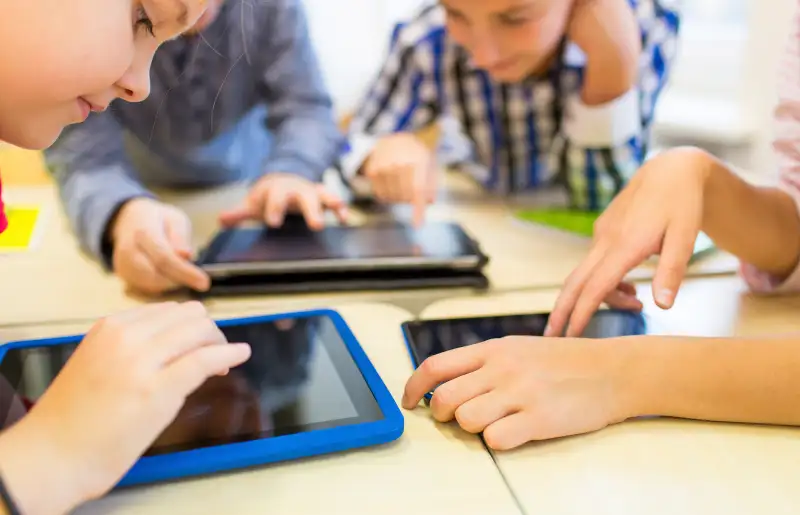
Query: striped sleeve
{"points": [[404, 95], [602, 146], [787, 151]]}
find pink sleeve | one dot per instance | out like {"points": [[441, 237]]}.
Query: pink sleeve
{"points": [[787, 149]]}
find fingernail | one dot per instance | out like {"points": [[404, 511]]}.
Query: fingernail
{"points": [[664, 297], [547, 329]]}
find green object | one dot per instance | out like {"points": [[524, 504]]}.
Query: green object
{"points": [[582, 224], [578, 222]]}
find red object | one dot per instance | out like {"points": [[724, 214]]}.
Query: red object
{"points": [[3, 219]]}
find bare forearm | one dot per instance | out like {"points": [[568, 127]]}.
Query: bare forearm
{"points": [[754, 380], [32, 463], [608, 33], [759, 225]]}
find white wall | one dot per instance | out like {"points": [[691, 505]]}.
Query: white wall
{"points": [[351, 38], [770, 26], [727, 66]]}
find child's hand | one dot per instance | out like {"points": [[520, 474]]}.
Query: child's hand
{"points": [[523, 388], [120, 389], [277, 194], [659, 212], [401, 169], [152, 249]]}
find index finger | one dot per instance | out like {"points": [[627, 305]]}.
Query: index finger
{"points": [[420, 197], [439, 369], [310, 205], [605, 278], [571, 291], [170, 264]]}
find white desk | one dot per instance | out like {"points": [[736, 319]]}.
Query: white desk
{"points": [[430, 469], [660, 466], [57, 282]]}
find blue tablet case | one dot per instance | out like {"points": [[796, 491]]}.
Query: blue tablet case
{"points": [[159, 468]]}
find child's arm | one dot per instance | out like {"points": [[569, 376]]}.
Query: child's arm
{"points": [[761, 226], [603, 141], [94, 178], [299, 107], [772, 250], [608, 33]]}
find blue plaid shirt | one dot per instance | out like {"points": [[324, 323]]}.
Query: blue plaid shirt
{"points": [[521, 135]]}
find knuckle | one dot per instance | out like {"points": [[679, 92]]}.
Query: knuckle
{"points": [[139, 234], [467, 420], [431, 366], [444, 398], [160, 260], [110, 324], [151, 285], [195, 308]]}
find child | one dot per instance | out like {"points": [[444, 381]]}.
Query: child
{"points": [[522, 388], [549, 93], [240, 99], [100, 414]]}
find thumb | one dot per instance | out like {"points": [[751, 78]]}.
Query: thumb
{"points": [[179, 235], [676, 251]]}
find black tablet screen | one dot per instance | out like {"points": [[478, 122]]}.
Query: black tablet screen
{"points": [[429, 337], [292, 243], [300, 377]]}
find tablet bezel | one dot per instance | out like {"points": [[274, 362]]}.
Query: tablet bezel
{"points": [[206, 259], [239, 455]]}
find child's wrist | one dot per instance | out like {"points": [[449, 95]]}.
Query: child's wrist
{"points": [[32, 463]]}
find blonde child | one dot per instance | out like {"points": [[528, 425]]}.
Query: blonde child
{"points": [[79, 440]]}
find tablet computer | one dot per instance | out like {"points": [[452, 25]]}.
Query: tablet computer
{"points": [[296, 249], [426, 338], [308, 389]]}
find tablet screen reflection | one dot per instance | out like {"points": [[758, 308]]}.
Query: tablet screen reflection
{"points": [[299, 378]]}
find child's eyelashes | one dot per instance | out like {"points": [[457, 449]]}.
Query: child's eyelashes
{"points": [[143, 21], [513, 22]]}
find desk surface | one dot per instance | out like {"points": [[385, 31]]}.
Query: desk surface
{"points": [[55, 281], [660, 466], [430, 469]]}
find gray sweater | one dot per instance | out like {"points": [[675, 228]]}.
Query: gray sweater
{"points": [[244, 99]]}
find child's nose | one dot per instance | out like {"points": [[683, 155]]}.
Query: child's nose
{"points": [[134, 87], [485, 53]]}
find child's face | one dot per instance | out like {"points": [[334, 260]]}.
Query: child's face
{"points": [[62, 56], [510, 39]]}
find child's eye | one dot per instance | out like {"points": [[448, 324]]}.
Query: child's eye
{"points": [[513, 21], [143, 21]]}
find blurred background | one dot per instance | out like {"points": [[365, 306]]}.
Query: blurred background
{"points": [[720, 97]]}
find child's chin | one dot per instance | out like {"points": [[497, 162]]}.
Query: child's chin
{"points": [[34, 136], [508, 76]]}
